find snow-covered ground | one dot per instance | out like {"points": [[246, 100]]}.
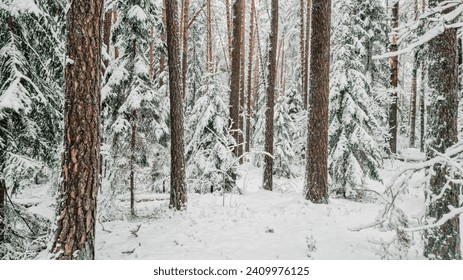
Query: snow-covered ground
{"points": [[256, 225]]}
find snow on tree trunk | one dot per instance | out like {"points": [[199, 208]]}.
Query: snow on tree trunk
{"points": [[394, 65], [442, 242], [75, 233]]}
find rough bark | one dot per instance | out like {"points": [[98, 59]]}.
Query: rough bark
{"points": [[186, 12], [235, 72], [422, 110], [316, 185], [178, 191], [442, 242], [151, 55], [107, 33], [75, 233], [307, 52], [250, 63], [394, 66], [269, 112]]}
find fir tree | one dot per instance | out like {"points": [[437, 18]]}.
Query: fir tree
{"points": [[355, 153]]}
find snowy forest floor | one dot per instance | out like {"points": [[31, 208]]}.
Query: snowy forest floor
{"points": [[256, 225]]}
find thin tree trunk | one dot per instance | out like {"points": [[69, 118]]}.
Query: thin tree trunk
{"points": [[413, 100], [133, 141], [107, 33], [250, 58], [162, 58], [302, 47], [242, 82], [151, 52], [209, 37], [442, 242], [269, 113], [116, 49], [75, 233], [186, 12], [2, 210], [235, 72], [229, 27], [316, 185], [178, 191], [307, 52], [422, 110], [394, 65]]}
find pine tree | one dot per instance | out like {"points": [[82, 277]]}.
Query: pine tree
{"points": [[76, 218], [178, 190], [284, 143], [316, 183], [442, 242], [135, 111], [355, 153], [271, 88]]}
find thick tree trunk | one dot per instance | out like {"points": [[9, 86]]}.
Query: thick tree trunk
{"points": [[250, 63], [178, 190], [307, 51], [442, 242], [235, 72], [75, 233], [2, 210], [108, 17], [316, 185], [186, 12], [269, 113], [394, 65]]}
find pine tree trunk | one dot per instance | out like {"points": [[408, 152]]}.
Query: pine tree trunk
{"points": [[229, 27], [116, 49], [162, 58], [422, 110], [151, 55], [2, 210], [107, 33], [186, 12], [302, 47], [316, 185], [413, 100], [442, 242], [307, 51], [209, 37], [413, 103], [250, 63], [235, 72], [75, 233], [269, 112], [133, 141], [242, 82], [394, 65], [178, 191]]}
